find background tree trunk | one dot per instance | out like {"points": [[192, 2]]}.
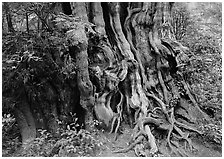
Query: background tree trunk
{"points": [[144, 76], [8, 17], [27, 23]]}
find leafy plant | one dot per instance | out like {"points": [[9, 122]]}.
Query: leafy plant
{"points": [[10, 137], [64, 143], [213, 132]]}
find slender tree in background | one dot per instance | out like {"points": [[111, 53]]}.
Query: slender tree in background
{"points": [[128, 69], [27, 23], [8, 16], [181, 21]]}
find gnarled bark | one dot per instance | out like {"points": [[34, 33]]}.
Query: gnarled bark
{"points": [[81, 57], [146, 75]]}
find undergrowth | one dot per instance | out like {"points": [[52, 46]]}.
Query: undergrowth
{"points": [[63, 143]]}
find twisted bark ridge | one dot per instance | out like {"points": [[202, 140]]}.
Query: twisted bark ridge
{"points": [[129, 67]]}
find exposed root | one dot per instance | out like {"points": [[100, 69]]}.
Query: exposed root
{"points": [[118, 116], [152, 141], [184, 136], [161, 81], [170, 131], [188, 127], [113, 123], [139, 150], [173, 126], [116, 129], [151, 120], [193, 99], [131, 146], [141, 132], [161, 103]]}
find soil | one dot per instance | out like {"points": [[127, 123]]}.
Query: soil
{"points": [[201, 148]]}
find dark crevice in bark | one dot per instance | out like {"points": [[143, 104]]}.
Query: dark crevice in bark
{"points": [[132, 31], [172, 64], [108, 29], [90, 11], [66, 8], [123, 13], [77, 109]]}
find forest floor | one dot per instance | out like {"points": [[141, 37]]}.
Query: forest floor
{"points": [[202, 148]]}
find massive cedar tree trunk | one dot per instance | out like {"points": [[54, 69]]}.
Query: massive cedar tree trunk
{"points": [[128, 70], [136, 64]]}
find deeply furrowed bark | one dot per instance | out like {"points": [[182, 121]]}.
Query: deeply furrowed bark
{"points": [[149, 64], [81, 56]]}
